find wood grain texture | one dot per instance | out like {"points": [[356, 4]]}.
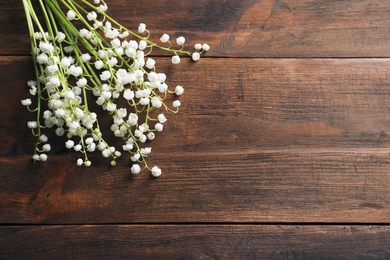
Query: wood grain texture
{"points": [[267, 28], [281, 149], [195, 242], [285, 140], [238, 105], [337, 187]]}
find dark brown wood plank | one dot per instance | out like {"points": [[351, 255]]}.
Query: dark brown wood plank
{"points": [[195, 242], [248, 186], [250, 28], [258, 140], [236, 105], [14, 37]]}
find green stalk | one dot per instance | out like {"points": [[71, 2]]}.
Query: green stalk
{"points": [[29, 11]]}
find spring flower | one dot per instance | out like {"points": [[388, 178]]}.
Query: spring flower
{"points": [[124, 34], [146, 150], [91, 16], [46, 47], [52, 69], [33, 90], [176, 59], [159, 127], [99, 64], [85, 57], [79, 162], [46, 147], [70, 15], [69, 95], [42, 58], [54, 81], [91, 147], [102, 8], [144, 101], [60, 131], [31, 83], [198, 46], [26, 102], [179, 90], [205, 47], [127, 147], [164, 38], [89, 140], [75, 70], [100, 59], [141, 28], [156, 102], [69, 144], [135, 169], [60, 37], [142, 45], [150, 63], [128, 94], [163, 87], [195, 56], [43, 138], [151, 136], [115, 43], [106, 153], [156, 172], [161, 118], [43, 157], [37, 36], [68, 49], [135, 157], [81, 82], [111, 107], [65, 62], [77, 147], [32, 124], [132, 119], [176, 103], [122, 112], [180, 40], [105, 75], [113, 61]]}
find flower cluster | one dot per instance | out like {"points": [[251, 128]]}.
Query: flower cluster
{"points": [[105, 61]]}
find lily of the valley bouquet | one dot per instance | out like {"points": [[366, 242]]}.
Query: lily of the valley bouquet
{"points": [[82, 55]]}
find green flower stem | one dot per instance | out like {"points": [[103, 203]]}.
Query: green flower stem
{"points": [[47, 20], [29, 11], [71, 31]]}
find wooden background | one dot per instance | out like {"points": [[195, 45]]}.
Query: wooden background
{"points": [[281, 149]]}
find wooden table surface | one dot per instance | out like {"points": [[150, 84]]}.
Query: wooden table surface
{"points": [[280, 150]]}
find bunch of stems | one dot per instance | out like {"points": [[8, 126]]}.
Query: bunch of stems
{"points": [[81, 53]]}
